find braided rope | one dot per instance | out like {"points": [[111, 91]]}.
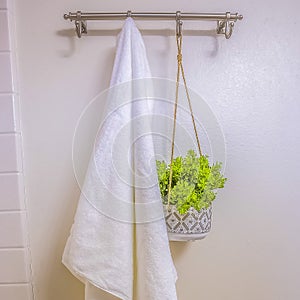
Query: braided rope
{"points": [[180, 70]]}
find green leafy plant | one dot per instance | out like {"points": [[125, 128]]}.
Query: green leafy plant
{"points": [[194, 181]]}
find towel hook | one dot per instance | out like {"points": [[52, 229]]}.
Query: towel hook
{"points": [[80, 25], [178, 24], [226, 26], [129, 13]]}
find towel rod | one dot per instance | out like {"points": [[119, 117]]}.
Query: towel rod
{"points": [[225, 21]]}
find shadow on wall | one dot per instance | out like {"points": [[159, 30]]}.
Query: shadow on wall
{"points": [[178, 249], [71, 35]]}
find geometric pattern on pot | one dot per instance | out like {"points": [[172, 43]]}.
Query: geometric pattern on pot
{"points": [[192, 222]]}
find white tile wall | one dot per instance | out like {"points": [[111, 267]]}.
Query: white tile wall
{"points": [[3, 4], [10, 153], [12, 192], [14, 259], [14, 266], [14, 77], [4, 31], [12, 226], [5, 73], [7, 5], [15, 291], [16, 113], [7, 114]]}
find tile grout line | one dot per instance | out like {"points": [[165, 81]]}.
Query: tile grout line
{"points": [[13, 283], [2, 284], [12, 249], [10, 133], [8, 92], [12, 93], [7, 211], [10, 172]]}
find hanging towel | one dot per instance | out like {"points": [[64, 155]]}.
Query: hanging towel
{"points": [[118, 242]]}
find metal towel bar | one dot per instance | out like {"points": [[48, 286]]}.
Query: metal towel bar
{"points": [[225, 21]]}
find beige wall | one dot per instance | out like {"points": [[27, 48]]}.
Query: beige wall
{"points": [[252, 82]]}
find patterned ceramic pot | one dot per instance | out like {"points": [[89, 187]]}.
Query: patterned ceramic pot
{"points": [[193, 225]]}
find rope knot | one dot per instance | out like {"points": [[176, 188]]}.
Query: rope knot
{"points": [[179, 57]]}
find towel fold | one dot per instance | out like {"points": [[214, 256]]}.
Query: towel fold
{"points": [[118, 242]]}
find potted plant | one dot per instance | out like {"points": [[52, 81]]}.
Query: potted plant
{"points": [[188, 199], [188, 184]]}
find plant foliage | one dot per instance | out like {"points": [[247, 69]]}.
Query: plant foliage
{"points": [[194, 181]]}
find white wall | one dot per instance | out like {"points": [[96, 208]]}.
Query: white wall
{"points": [[252, 82], [14, 254]]}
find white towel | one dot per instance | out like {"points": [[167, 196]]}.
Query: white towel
{"points": [[118, 242]]}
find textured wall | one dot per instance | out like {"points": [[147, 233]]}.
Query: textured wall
{"points": [[252, 83]]}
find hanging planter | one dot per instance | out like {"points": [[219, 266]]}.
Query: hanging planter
{"points": [[193, 225], [188, 184], [188, 194]]}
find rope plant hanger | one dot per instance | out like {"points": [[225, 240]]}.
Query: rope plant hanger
{"points": [[187, 201], [180, 70]]}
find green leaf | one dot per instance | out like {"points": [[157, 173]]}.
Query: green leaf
{"points": [[194, 181]]}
